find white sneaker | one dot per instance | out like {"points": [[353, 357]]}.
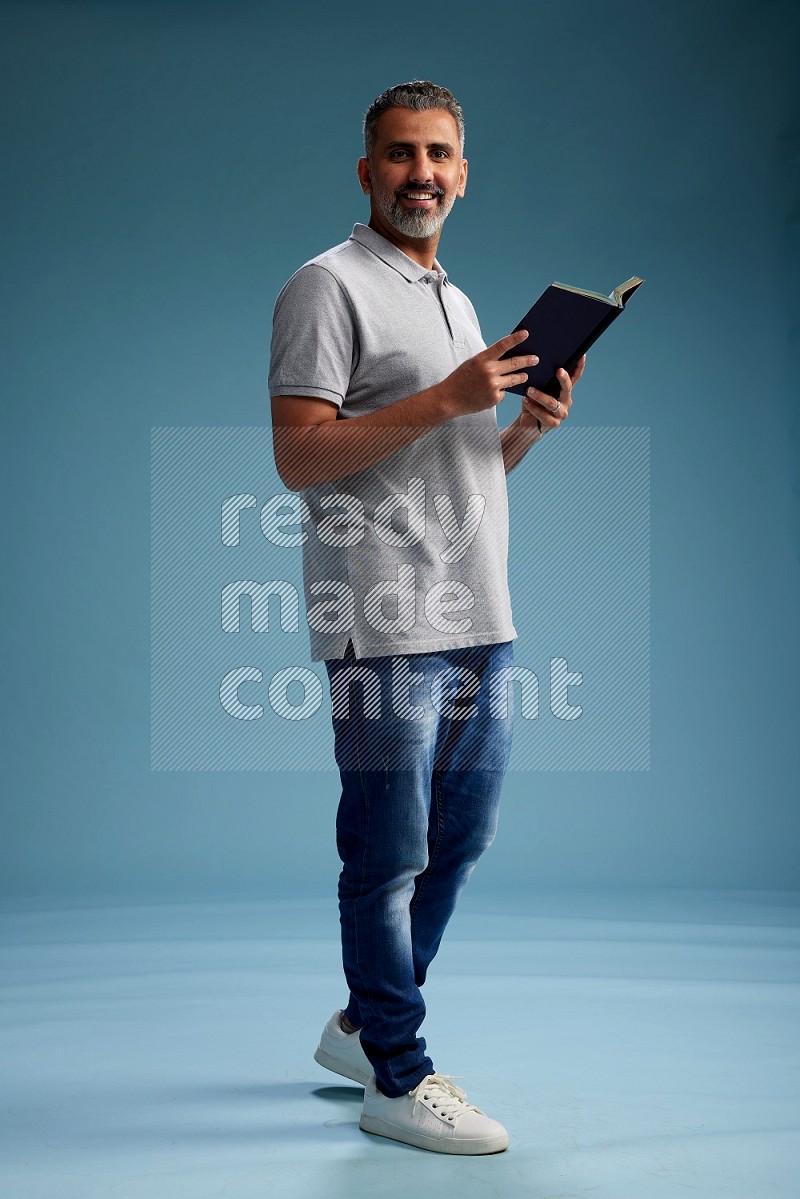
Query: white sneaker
{"points": [[341, 1052], [435, 1115]]}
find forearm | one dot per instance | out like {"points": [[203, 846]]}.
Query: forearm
{"points": [[516, 441], [333, 449]]}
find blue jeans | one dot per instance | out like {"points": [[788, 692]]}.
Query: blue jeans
{"points": [[421, 755]]}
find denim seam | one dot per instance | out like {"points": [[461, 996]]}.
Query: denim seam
{"points": [[365, 794], [418, 891]]}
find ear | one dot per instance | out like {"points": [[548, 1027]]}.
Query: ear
{"points": [[364, 178], [462, 178]]}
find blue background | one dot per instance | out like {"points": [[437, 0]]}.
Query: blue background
{"points": [[168, 165]]}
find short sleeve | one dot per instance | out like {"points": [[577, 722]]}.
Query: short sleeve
{"points": [[313, 350]]}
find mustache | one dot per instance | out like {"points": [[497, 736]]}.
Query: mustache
{"points": [[420, 187]]}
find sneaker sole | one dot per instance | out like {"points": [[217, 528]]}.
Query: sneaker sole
{"points": [[337, 1066], [383, 1128]]}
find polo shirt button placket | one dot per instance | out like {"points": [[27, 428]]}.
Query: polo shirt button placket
{"points": [[432, 280]]}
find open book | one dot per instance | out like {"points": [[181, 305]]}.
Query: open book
{"points": [[563, 323]]}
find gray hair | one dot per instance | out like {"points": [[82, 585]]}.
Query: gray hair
{"points": [[419, 95]]}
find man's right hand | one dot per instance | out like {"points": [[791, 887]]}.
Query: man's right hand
{"points": [[480, 382], [312, 446]]}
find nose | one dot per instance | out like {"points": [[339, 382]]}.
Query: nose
{"points": [[421, 169]]}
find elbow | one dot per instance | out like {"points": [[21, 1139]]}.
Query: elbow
{"points": [[292, 479], [297, 468], [289, 463]]}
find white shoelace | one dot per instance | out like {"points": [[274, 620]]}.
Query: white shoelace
{"points": [[447, 1099]]}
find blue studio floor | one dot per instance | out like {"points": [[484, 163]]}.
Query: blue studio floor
{"points": [[636, 1044]]}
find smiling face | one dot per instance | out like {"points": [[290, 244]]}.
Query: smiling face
{"points": [[414, 173]]}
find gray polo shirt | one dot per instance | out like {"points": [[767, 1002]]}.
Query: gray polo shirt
{"points": [[407, 556]]}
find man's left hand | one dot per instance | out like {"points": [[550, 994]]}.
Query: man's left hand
{"points": [[549, 411]]}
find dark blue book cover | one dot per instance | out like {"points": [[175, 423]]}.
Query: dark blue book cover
{"points": [[562, 325]]}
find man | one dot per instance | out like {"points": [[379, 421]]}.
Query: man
{"points": [[383, 407]]}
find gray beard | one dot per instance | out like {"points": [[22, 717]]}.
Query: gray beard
{"points": [[413, 223]]}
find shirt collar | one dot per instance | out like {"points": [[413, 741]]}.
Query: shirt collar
{"points": [[388, 253]]}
